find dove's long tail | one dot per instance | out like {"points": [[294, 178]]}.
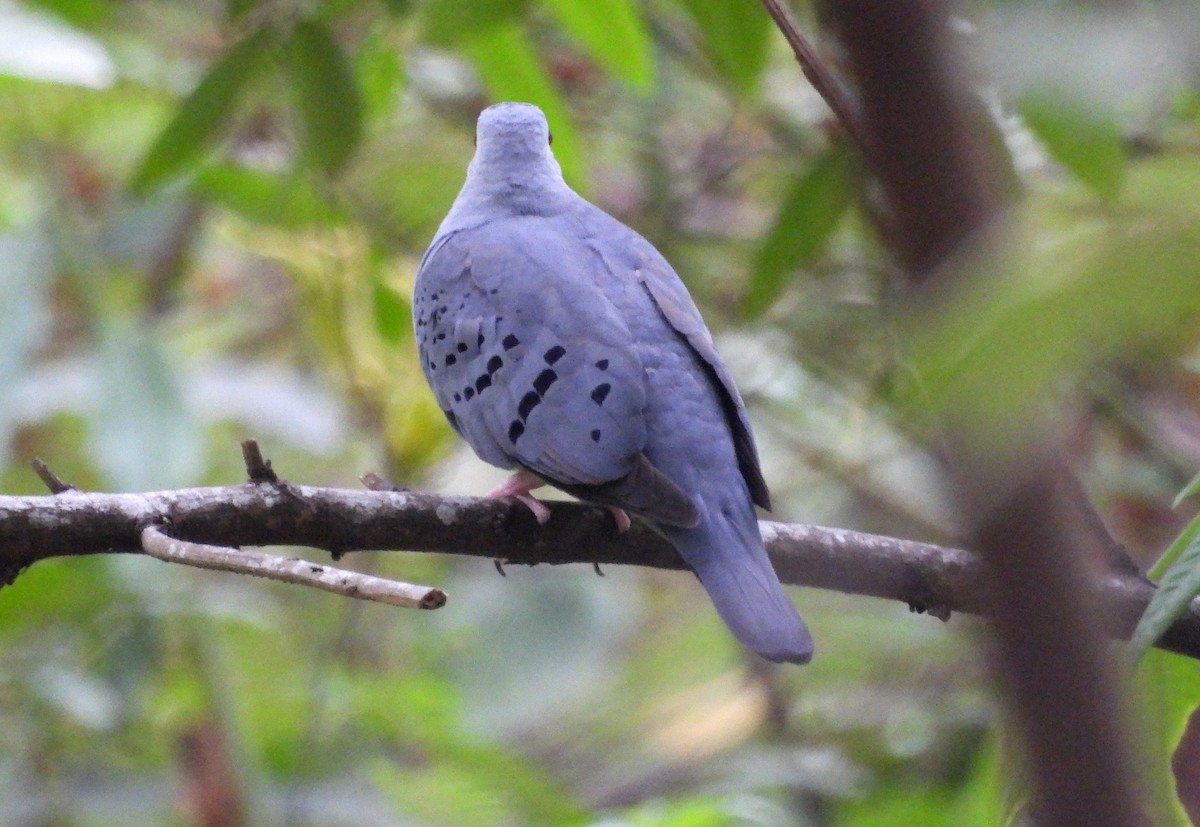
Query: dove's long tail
{"points": [[726, 552]]}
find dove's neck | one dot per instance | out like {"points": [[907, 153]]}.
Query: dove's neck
{"points": [[498, 191]]}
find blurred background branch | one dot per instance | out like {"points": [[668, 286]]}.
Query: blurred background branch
{"points": [[948, 191]]}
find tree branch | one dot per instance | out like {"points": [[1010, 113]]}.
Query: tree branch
{"points": [[926, 577]]}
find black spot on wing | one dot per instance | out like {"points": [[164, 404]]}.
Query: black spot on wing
{"points": [[528, 402], [596, 435], [494, 364], [554, 354], [484, 381], [515, 430], [602, 364], [450, 359], [510, 341], [544, 380], [600, 393]]}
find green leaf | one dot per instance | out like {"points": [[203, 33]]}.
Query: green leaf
{"points": [[703, 810], [1179, 585], [1166, 185], [393, 315], [85, 13], [267, 197], [1038, 312], [380, 73], [1188, 490], [811, 212], [1185, 769], [199, 118], [1083, 138], [614, 35], [735, 38], [989, 795], [237, 9], [1167, 687], [331, 106], [446, 22], [510, 70], [398, 8], [900, 807], [1177, 547]]}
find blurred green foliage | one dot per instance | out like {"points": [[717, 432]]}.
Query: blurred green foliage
{"points": [[210, 219]]}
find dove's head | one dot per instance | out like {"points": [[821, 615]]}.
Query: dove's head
{"points": [[508, 132], [513, 171], [512, 142]]}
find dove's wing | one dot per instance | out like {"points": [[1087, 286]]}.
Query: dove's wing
{"points": [[623, 249], [534, 366]]}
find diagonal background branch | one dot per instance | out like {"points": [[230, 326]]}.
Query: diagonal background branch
{"points": [[944, 181], [928, 577]]}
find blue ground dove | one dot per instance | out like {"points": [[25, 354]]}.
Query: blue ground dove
{"points": [[560, 343]]}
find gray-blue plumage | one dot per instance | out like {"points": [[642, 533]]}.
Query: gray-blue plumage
{"points": [[559, 341]]}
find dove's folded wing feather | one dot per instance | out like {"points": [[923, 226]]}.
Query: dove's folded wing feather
{"points": [[538, 370]]}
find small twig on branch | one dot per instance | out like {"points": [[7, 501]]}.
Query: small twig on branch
{"points": [[51, 479], [290, 570], [374, 482], [257, 468]]}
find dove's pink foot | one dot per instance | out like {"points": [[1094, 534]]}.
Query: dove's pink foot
{"points": [[621, 517], [519, 485]]}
